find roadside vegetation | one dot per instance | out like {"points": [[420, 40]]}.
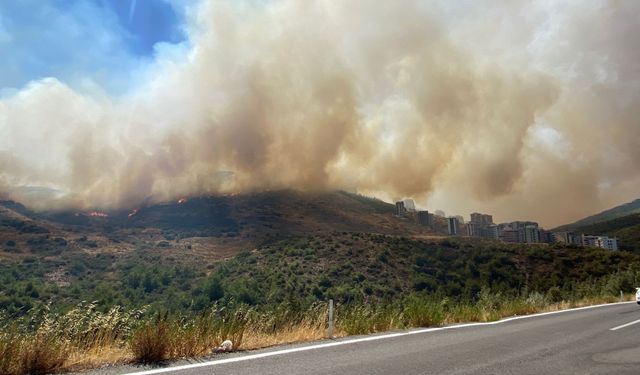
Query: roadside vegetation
{"points": [[149, 308]]}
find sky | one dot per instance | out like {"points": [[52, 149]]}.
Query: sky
{"points": [[521, 109], [75, 41]]}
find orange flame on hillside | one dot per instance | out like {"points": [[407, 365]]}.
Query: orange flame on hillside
{"points": [[182, 200], [97, 214], [132, 213]]}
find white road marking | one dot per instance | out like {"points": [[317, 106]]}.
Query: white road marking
{"points": [[363, 339], [625, 325]]}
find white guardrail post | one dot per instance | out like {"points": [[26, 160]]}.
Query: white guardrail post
{"points": [[621, 296], [330, 333]]}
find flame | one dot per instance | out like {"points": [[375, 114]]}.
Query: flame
{"points": [[97, 214], [182, 200], [132, 213]]}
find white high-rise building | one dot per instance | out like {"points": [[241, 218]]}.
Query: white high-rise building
{"points": [[602, 242]]}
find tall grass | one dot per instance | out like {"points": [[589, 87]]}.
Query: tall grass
{"points": [[37, 352], [167, 338], [47, 342]]}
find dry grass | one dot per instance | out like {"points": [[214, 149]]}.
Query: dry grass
{"points": [[309, 329], [84, 338], [79, 359], [151, 342], [40, 353]]}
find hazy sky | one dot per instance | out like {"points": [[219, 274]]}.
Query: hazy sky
{"points": [[522, 109]]}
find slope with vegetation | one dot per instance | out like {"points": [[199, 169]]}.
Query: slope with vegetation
{"points": [[622, 210], [169, 285], [277, 293]]}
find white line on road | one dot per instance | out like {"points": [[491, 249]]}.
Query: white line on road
{"points": [[362, 339], [625, 325]]}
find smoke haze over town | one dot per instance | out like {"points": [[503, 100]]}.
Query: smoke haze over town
{"points": [[524, 110]]}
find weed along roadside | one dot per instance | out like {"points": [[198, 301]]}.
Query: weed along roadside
{"points": [[84, 338]]}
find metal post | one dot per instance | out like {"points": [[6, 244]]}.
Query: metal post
{"points": [[330, 335]]}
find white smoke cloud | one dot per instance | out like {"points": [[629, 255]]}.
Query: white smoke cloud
{"points": [[525, 109]]}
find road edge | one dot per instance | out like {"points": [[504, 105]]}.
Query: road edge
{"points": [[376, 337]]}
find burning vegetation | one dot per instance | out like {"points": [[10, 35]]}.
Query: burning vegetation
{"points": [[97, 214]]}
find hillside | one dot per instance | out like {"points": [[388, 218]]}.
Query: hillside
{"points": [[302, 270], [264, 248], [89, 250], [321, 244], [261, 267], [357, 267], [284, 211], [208, 228], [626, 229], [610, 214]]}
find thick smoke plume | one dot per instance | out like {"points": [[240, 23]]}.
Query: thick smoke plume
{"points": [[521, 109]]}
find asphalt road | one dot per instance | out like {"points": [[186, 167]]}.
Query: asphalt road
{"points": [[573, 342]]}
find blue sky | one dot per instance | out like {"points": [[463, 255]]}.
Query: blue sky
{"points": [[75, 41]]}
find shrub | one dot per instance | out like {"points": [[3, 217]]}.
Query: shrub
{"points": [[43, 354], [554, 294], [40, 353], [151, 342], [10, 348], [420, 312]]}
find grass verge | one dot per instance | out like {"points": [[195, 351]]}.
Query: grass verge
{"points": [[84, 338]]}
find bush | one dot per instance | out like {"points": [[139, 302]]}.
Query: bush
{"points": [[554, 294], [420, 312], [151, 342], [11, 247], [41, 353], [10, 349]]}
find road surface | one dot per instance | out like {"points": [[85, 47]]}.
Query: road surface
{"points": [[600, 340]]}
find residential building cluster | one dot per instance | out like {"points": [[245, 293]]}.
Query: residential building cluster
{"points": [[482, 225], [585, 240]]}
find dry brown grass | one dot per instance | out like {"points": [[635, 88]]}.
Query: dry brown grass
{"points": [[85, 359], [307, 330], [151, 342], [109, 338], [41, 353]]}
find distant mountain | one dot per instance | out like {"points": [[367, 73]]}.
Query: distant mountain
{"points": [[281, 212], [610, 214], [18, 218], [12, 208], [273, 248], [214, 226]]}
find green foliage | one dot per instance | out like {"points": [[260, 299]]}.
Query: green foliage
{"points": [[351, 268]]}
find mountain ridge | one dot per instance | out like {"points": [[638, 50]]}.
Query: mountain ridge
{"points": [[619, 211]]}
